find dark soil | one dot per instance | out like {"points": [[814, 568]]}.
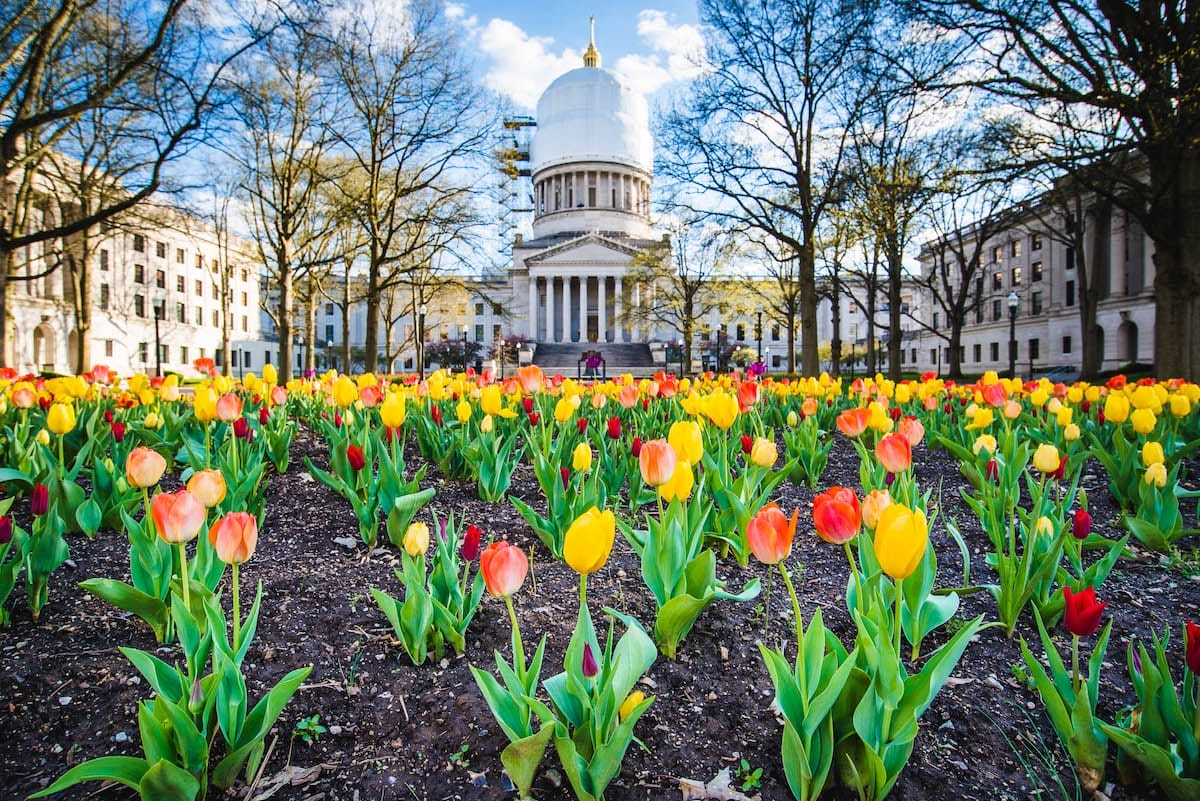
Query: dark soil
{"points": [[67, 694]]}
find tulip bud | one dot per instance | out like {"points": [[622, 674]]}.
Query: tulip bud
{"points": [[195, 698], [43, 437], [1081, 611], [241, 428], [1156, 474], [6, 530], [152, 420], [354, 455], [527, 403], [39, 501], [504, 568], [234, 536], [992, 470], [487, 424], [614, 428], [264, 415], [581, 424], [1192, 648], [792, 419], [108, 415], [566, 477], [590, 668], [534, 418], [118, 431], [581, 457], [635, 447], [747, 444], [416, 539], [208, 486], [469, 549], [633, 700], [144, 467], [1081, 524]]}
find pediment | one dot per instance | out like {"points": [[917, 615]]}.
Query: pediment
{"points": [[587, 249]]}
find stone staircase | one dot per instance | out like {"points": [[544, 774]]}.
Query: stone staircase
{"points": [[619, 358]]}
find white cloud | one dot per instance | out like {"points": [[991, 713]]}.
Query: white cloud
{"points": [[522, 66], [677, 53]]}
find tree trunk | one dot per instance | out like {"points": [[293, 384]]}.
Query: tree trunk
{"points": [[346, 321], [835, 343], [286, 321], [872, 291], [895, 275], [371, 340], [310, 333], [1175, 178], [954, 361], [810, 358], [83, 312], [5, 345]]}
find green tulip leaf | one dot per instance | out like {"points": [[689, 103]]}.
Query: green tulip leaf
{"points": [[522, 757], [165, 781], [121, 769], [121, 595]]}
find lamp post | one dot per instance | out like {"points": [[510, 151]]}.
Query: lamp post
{"points": [[421, 342], [328, 353], [766, 358], [758, 331], [158, 312], [464, 339], [1013, 303]]}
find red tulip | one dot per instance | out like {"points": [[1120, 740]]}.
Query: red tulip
{"points": [[1081, 525], [837, 515], [436, 414], [337, 419], [770, 533], [635, 447], [1082, 611], [581, 424], [527, 403], [6, 530], [264, 415], [534, 417], [590, 668], [118, 431], [614, 428], [895, 412], [241, 428], [504, 568], [39, 501], [894, 453], [992, 470], [108, 415], [747, 395], [566, 477], [1192, 650], [470, 544], [354, 456], [747, 443]]}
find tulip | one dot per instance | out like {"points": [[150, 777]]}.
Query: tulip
{"points": [[469, 549], [208, 486], [1116, 407], [873, 506], [721, 408], [837, 515], [1143, 421], [61, 418], [635, 447], [144, 467], [566, 477], [463, 411], [681, 484], [912, 430], [764, 453], [792, 419], [631, 703], [6, 530], [1156, 474], [980, 420], [369, 397], [992, 470], [589, 541], [657, 461], [747, 395], [39, 501], [581, 424], [894, 453], [504, 568], [278, 396], [1081, 612], [264, 415], [614, 428], [853, 422], [345, 391], [234, 536], [486, 425], [984, 442], [1071, 433], [589, 667], [1152, 453], [747, 444], [531, 378], [43, 437], [1011, 410], [1046, 458], [770, 533], [229, 407], [581, 458], [492, 402], [563, 410], [901, 537], [241, 428], [354, 455], [1180, 406], [1192, 648], [684, 436], [416, 539], [1081, 524], [178, 516]]}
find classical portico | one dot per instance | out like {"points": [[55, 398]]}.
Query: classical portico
{"points": [[591, 163]]}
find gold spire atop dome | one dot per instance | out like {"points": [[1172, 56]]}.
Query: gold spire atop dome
{"points": [[591, 56]]}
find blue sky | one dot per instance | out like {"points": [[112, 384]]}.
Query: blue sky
{"points": [[525, 44]]}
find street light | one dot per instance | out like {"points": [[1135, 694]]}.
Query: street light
{"points": [[766, 358], [758, 331], [464, 333], [158, 313], [328, 353], [421, 342], [1013, 303]]}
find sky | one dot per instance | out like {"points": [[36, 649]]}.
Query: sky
{"points": [[523, 45]]}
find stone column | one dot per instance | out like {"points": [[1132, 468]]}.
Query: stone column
{"points": [[602, 299], [531, 322], [567, 309], [618, 307], [550, 337], [583, 308]]}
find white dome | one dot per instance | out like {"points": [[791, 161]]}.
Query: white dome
{"points": [[588, 114]]}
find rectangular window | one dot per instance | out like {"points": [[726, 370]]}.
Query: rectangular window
{"points": [[139, 305], [978, 314], [245, 323], [108, 348], [997, 253], [1035, 271], [143, 352], [183, 354], [199, 318], [160, 279], [139, 246], [180, 284], [1070, 258], [248, 358], [233, 358], [996, 310], [1035, 348], [933, 354], [104, 259], [1014, 248], [199, 261], [479, 332], [160, 249], [994, 350], [104, 296], [199, 287], [774, 333], [328, 309], [179, 260], [329, 333], [180, 316], [741, 332], [978, 352], [914, 355], [496, 309], [1035, 241], [479, 309], [496, 333], [997, 281], [1066, 344], [245, 302], [1070, 299], [1016, 276], [215, 294], [139, 273], [245, 276], [1035, 303], [936, 324], [216, 318]]}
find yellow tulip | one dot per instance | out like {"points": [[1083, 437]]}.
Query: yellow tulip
{"points": [[721, 408], [792, 419], [1039, 397], [1156, 474], [1064, 416], [61, 418], [764, 453], [1046, 458], [982, 419], [491, 402], [1116, 408], [631, 703], [563, 410], [1071, 433], [589, 541], [1180, 406], [901, 537], [487, 424], [463, 411], [581, 457], [43, 437], [1143, 421], [681, 483], [685, 438], [345, 392], [1146, 398], [416, 539], [392, 411], [205, 404], [270, 374], [984, 442], [1152, 453], [152, 420], [1045, 526]]}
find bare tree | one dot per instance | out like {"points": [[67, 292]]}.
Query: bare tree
{"points": [[765, 128], [1122, 77]]}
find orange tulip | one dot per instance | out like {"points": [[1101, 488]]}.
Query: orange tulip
{"points": [[769, 534], [747, 395], [853, 422], [229, 407], [994, 395], [809, 407], [144, 467], [657, 461], [894, 453], [837, 515], [178, 516], [531, 378], [873, 506], [912, 429], [235, 536], [208, 486], [628, 396], [504, 568]]}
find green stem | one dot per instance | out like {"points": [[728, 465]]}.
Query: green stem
{"points": [[517, 644], [858, 591], [61, 465], [183, 575], [767, 607], [148, 520], [237, 611], [899, 620], [787, 579], [207, 445], [1075, 682], [583, 589]]}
